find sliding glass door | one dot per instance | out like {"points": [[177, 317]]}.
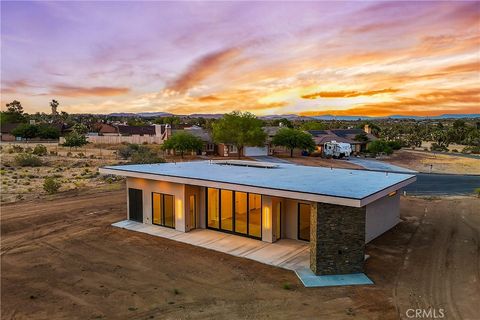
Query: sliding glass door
{"points": [[255, 215], [213, 208], [304, 221], [226, 203], [234, 212], [241, 212], [163, 212]]}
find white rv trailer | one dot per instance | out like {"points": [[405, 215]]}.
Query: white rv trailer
{"points": [[337, 149]]}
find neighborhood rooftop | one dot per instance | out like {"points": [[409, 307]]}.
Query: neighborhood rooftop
{"points": [[342, 183]]}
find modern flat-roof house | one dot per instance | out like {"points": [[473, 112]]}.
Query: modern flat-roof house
{"points": [[336, 211]]}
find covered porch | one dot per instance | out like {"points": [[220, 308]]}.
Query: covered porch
{"points": [[285, 253]]}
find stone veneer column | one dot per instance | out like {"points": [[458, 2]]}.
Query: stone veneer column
{"points": [[337, 239]]}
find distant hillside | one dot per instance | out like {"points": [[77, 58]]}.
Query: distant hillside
{"points": [[296, 117], [353, 118]]}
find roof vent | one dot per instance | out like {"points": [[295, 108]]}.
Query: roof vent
{"points": [[245, 163]]}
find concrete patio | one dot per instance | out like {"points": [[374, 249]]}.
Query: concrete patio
{"points": [[288, 254], [285, 253]]}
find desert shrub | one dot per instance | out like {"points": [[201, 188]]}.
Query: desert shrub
{"points": [[40, 150], [471, 149], [2, 172], [395, 145], [128, 150], [438, 147], [81, 155], [69, 154], [31, 176], [477, 192], [51, 185], [379, 146], [27, 160], [15, 149], [26, 183], [139, 154], [53, 153], [455, 150], [287, 286], [28, 150], [75, 140], [146, 157]]}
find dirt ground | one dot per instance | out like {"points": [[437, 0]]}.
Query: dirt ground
{"points": [[73, 169], [421, 161], [61, 259]]}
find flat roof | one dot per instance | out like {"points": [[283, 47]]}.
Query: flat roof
{"points": [[342, 183]]}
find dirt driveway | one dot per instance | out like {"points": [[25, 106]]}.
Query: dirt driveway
{"points": [[61, 259]]}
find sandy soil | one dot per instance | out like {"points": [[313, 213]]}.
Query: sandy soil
{"points": [[61, 259], [320, 162], [72, 171], [421, 161]]}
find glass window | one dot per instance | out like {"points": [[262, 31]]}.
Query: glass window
{"points": [[168, 211], [277, 211], [163, 212], [157, 208], [193, 212], [226, 210], [255, 215], [241, 212], [213, 208], [304, 221]]}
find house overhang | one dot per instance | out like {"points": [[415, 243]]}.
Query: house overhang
{"points": [[313, 197]]}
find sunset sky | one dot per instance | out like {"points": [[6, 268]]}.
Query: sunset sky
{"points": [[309, 58]]}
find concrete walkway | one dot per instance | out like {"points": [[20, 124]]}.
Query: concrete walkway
{"points": [[285, 253], [379, 165]]}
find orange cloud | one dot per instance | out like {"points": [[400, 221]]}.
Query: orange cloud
{"points": [[466, 67], [203, 68], [209, 98], [452, 101], [73, 91], [347, 94]]}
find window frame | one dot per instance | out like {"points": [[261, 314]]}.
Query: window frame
{"points": [[247, 235], [162, 213], [298, 221]]}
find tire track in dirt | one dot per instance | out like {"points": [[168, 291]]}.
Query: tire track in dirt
{"points": [[436, 273]]}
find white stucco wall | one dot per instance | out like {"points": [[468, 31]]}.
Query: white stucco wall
{"points": [[149, 186], [381, 216]]}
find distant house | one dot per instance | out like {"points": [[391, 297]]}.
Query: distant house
{"points": [[343, 135], [6, 131], [105, 129], [209, 148], [228, 150], [116, 134]]}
